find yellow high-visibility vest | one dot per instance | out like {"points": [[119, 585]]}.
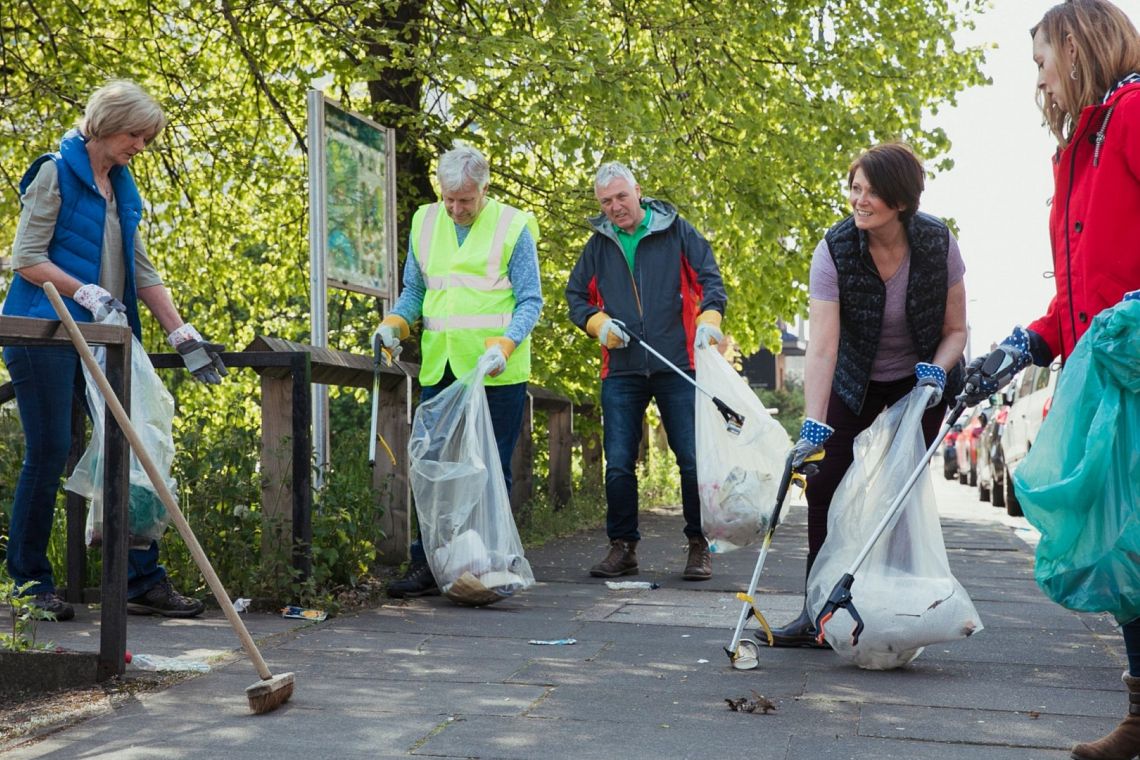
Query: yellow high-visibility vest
{"points": [[469, 295]]}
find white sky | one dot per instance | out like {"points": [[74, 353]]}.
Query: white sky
{"points": [[998, 189]]}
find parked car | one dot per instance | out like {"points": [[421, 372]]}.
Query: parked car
{"points": [[967, 446], [1033, 397], [991, 458], [950, 454]]}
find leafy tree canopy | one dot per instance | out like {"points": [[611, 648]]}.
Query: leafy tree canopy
{"points": [[745, 115]]}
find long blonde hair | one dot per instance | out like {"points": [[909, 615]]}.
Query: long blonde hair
{"points": [[1106, 49]]}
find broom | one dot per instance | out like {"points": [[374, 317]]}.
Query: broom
{"points": [[273, 690]]}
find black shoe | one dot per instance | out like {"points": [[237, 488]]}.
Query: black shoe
{"points": [[162, 599], [798, 633], [418, 581], [50, 602]]}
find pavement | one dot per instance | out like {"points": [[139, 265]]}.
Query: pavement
{"points": [[647, 678]]}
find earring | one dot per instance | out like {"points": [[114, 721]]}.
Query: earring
{"points": [[1073, 72]]}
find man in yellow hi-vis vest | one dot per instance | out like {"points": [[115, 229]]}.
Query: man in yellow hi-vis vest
{"points": [[472, 275]]}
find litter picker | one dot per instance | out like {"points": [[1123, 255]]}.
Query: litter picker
{"points": [[273, 690], [744, 653], [733, 420], [840, 597], [379, 353]]}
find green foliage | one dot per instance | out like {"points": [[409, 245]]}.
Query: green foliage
{"points": [[24, 615], [744, 116], [790, 403]]}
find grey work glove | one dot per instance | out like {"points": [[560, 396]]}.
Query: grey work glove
{"points": [[98, 301], [991, 372], [199, 356]]}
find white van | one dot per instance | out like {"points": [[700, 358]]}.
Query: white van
{"points": [[1032, 398]]}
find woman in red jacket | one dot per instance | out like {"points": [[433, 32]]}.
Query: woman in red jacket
{"points": [[1088, 86]]}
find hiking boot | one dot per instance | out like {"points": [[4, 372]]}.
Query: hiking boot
{"points": [[699, 566], [418, 581], [1124, 742], [49, 601], [162, 599], [798, 633], [622, 560]]}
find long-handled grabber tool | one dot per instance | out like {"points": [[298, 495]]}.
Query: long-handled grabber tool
{"points": [[733, 420], [744, 653], [840, 597], [388, 357], [271, 691]]}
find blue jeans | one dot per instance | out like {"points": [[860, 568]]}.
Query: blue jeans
{"points": [[624, 401], [507, 404], [47, 380]]}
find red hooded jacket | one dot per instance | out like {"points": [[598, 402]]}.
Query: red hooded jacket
{"points": [[1094, 224]]}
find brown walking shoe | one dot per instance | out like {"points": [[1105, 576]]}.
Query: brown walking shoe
{"points": [[1124, 742], [622, 560], [699, 566]]}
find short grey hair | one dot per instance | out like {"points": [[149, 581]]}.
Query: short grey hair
{"points": [[121, 106], [610, 171], [460, 165]]}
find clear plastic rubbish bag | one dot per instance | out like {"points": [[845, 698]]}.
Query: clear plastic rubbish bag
{"points": [[738, 474], [466, 525], [152, 416], [904, 590], [1080, 483]]}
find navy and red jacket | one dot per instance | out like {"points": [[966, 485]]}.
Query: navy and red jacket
{"points": [[675, 277], [1094, 222]]}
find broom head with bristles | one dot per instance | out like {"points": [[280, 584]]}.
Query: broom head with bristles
{"points": [[265, 696]]}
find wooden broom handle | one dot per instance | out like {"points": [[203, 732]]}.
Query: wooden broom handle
{"points": [[157, 480]]}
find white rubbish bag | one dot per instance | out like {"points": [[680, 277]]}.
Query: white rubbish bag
{"points": [[152, 415], [469, 533], [904, 590], [738, 474]]}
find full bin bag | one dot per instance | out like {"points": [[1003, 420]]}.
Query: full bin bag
{"points": [[903, 590], [1079, 485], [737, 473], [152, 416], [464, 510]]}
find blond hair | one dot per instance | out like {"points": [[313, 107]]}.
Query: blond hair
{"points": [[1106, 48], [121, 106]]}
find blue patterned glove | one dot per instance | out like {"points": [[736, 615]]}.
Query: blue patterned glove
{"points": [[813, 434], [1132, 295], [933, 376], [988, 374]]}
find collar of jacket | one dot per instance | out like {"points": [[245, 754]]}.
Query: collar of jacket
{"points": [[664, 214], [73, 150]]}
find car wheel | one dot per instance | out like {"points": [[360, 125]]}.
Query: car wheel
{"points": [[983, 493], [972, 478], [1012, 505], [997, 495], [963, 478], [948, 472]]}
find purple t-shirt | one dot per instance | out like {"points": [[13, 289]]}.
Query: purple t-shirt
{"points": [[896, 356]]}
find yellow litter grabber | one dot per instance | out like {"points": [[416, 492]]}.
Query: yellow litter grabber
{"points": [[744, 653]]}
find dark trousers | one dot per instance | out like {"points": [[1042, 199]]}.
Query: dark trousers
{"points": [[839, 454], [507, 404], [47, 380], [624, 401], [1132, 646]]}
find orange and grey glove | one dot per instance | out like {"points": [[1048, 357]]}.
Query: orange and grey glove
{"points": [[201, 357], [608, 332], [708, 329], [393, 329], [498, 351]]}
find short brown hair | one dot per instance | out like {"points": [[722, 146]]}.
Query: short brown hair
{"points": [[895, 174], [1107, 49]]}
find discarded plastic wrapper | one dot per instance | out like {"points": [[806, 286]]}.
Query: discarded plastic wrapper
{"points": [[241, 604], [553, 642], [630, 585], [303, 614]]}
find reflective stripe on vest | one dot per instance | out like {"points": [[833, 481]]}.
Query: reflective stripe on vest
{"points": [[493, 280]]}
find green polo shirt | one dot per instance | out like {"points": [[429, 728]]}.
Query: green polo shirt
{"points": [[629, 240]]}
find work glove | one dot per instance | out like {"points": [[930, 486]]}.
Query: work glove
{"points": [[813, 434], [609, 332], [988, 374], [933, 376], [708, 329], [494, 358], [1132, 295], [199, 356], [393, 329], [98, 301]]}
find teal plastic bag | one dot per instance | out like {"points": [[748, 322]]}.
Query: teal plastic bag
{"points": [[1080, 483]]}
